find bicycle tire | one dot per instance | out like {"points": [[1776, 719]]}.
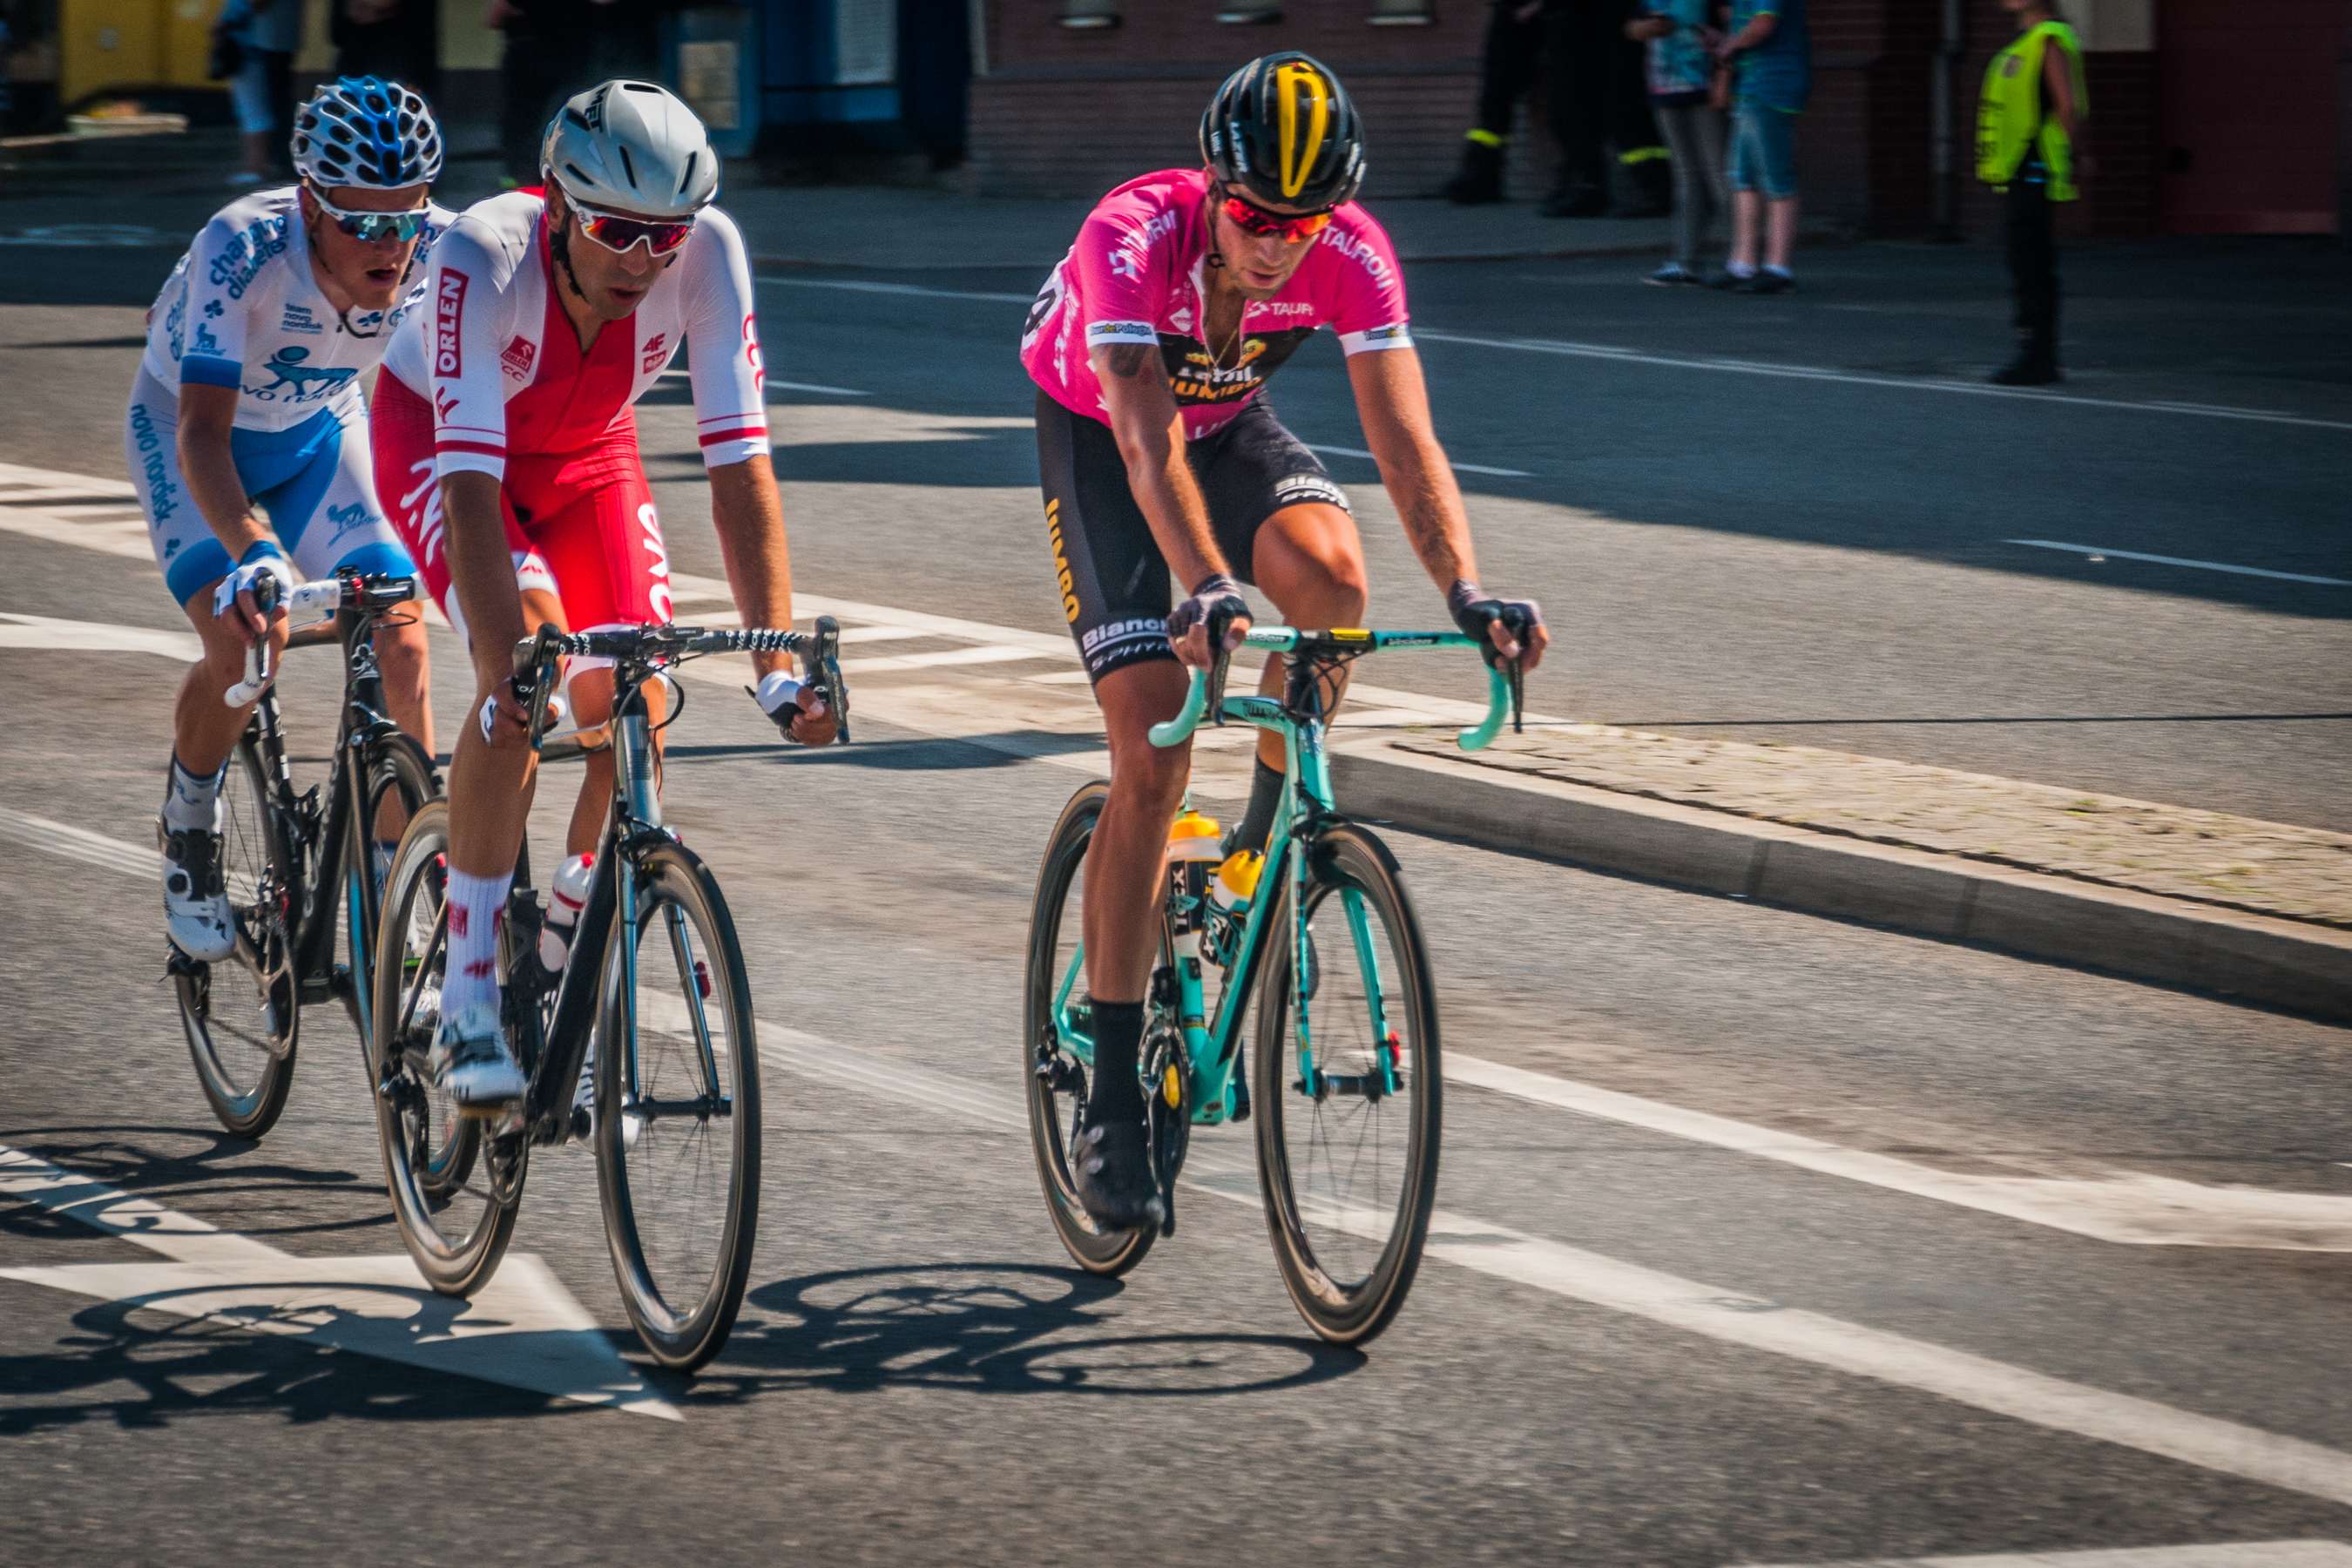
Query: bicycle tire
{"points": [[1343, 857], [1096, 1248], [708, 969], [258, 839], [395, 762], [404, 1096]]}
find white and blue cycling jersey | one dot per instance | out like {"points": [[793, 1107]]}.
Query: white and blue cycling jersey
{"points": [[243, 309]]}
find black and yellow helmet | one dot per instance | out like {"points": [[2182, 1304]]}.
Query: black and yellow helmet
{"points": [[1282, 128]]}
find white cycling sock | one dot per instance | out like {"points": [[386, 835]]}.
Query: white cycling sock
{"points": [[471, 978], [191, 800]]}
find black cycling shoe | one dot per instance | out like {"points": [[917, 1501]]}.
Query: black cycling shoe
{"points": [[1110, 1164]]}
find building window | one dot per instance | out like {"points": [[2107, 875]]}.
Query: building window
{"points": [[1402, 13], [1090, 13], [1250, 13]]}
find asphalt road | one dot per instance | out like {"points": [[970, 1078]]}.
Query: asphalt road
{"points": [[1790, 1241]]}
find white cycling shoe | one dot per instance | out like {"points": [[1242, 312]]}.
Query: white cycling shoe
{"points": [[195, 899], [472, 1064]]}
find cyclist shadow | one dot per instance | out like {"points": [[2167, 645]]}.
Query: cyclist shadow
{"points": [[129, 1158], [988, 1328]]}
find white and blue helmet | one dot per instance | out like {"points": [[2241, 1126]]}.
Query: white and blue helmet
{"points": [[365, 132]]}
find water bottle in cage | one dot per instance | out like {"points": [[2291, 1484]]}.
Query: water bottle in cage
{"points": [[565, 898]]}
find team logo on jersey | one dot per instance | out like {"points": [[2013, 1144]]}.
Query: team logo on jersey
{"points": [[298, 319], [303, 383], [347, 517], [657, 350], [1127, 264], [448, 308], [518, 356], [444, 405], [212, 309]]}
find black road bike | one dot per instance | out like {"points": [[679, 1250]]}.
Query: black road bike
{"points": [[653, 984], [297, 866]]}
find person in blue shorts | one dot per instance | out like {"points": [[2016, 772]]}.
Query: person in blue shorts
{"points": [[1773, 54], [247, 406]]}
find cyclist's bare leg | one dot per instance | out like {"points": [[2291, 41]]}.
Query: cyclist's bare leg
{"points": [[204, 728], [1311, 562], [1124, 862], [406, 669], [589, 694]]}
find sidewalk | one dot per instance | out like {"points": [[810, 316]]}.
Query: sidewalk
{"points": [[2259, 909]]}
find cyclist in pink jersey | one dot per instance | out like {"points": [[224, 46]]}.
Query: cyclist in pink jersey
{"points": [[1150, 344], [506, 443]]}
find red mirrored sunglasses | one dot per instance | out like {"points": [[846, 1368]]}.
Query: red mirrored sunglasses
{"points": [[1255, 220], [618, 234]]}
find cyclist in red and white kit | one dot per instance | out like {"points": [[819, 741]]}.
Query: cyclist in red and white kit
{"points": [[1151, 345], [506, 446]]}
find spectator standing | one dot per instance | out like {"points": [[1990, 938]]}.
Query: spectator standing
{"points": [[1681, 49], [1591, 77], [1771, 54], [398, 40], [264, 35], [1508, 63], [2029, 122]]}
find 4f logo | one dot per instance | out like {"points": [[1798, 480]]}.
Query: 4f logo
{"points": [[657, 350]]}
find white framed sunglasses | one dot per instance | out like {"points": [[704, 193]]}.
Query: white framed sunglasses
{"points": [[373, 226]]}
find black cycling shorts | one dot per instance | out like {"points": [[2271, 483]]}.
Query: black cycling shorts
{"points": [[1113, 580]]}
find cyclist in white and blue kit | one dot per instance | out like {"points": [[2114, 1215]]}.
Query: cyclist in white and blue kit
{"points": [[246, 405]]}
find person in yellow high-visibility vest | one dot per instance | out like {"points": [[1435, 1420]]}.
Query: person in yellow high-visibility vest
{"points": [[2029, 128]]}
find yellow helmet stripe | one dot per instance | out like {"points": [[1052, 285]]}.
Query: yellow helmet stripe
{"points": [[1291, 82]]}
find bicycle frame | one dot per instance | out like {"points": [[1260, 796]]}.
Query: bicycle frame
{"points": [[1212, 1048]]}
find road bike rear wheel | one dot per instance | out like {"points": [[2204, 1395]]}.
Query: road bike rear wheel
{"points": [[400, 778], [242, 1016], [455, 1184], [1348, 1161], [677, 1109], [1054, 1080]]}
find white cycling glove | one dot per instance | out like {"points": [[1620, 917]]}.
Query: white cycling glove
{"points": [[264, 559]]}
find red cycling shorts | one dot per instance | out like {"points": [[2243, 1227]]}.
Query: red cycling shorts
{"points": [[580, 524]]}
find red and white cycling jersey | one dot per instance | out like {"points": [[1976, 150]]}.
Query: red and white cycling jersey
{"points": [[492, 351], [1137, 276]]}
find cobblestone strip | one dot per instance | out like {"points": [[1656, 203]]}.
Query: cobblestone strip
{"points": [[2265, 868]]}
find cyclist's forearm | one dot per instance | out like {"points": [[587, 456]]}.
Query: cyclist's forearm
{"points": [[482, 573], [749, 515], [211, 472], [1171, 503], [1420, 483]]}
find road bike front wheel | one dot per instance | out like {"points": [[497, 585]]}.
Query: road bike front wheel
{"points": [[677, 1109], [455, 1184], [1350, 1089], [242, 1016], [1054, 1079], [399, 779]]}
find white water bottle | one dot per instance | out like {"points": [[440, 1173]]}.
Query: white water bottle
{"points": [[566, 900]]}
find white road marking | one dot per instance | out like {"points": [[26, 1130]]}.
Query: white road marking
{"points": [[79, 844], [95, 636], [982, 652], [2129, 1209], [1692, 1306], [1686, 362], [2095, 550], [524, 1329], [1854, 378], [1465, 467], [2218, 1555]]}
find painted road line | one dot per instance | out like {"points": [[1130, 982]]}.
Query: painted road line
{"points": [[1464, 467], [1854, 378], [95, 636], [772, 384], [1691, 1306], [2119, 1206], [1688, 362], [979, 653], [524, 1329], [2101, 550], [2218, 1554], [73, 843]]}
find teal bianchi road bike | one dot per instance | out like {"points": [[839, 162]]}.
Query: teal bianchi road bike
{"points": [[1346, 1087]]}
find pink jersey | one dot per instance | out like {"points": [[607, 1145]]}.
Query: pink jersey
{"points": [[1137, 276], [492, 351]]}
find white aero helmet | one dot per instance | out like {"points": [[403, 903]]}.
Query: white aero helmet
{"points": [[631, 147]]}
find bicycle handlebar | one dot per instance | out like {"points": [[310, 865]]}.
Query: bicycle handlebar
{"points": [[819, 651], [311, 605], [1504, 684]]}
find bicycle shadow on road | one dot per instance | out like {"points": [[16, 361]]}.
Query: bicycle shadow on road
{"points": [[126, 1157], [986, 1327]]}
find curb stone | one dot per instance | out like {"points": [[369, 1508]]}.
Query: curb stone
{"points": [[2281, 963]]}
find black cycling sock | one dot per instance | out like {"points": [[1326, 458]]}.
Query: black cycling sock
{"points": [[1265, 795], [1115, 1093]]}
